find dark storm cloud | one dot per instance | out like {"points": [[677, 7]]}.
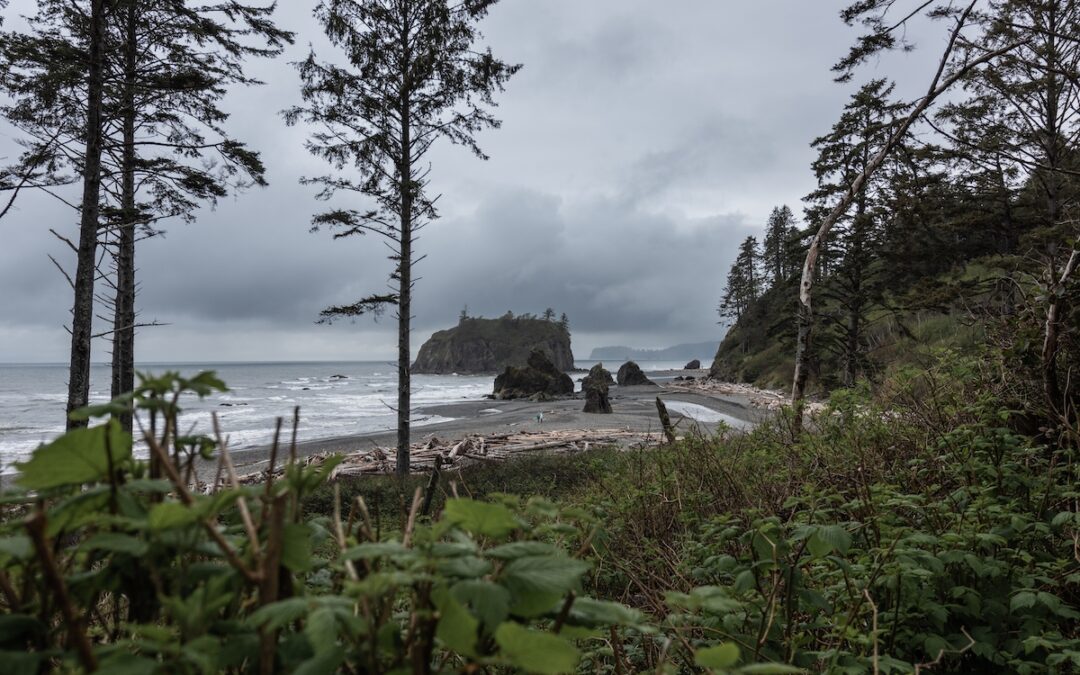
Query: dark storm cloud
{"points": [[607, 263], [641, 143]]}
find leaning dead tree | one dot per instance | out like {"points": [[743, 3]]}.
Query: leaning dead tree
{"points": [[946, 76]]}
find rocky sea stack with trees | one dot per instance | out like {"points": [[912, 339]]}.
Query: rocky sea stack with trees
{"points": [[487, 346]]}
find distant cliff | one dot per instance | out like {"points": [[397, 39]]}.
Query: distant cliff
{"points": [[703, 351], [490, 345]]}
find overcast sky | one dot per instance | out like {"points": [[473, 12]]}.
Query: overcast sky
{"points": [[642, 141]]}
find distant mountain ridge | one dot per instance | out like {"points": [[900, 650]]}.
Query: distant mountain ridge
{"points": [[703, 351]]}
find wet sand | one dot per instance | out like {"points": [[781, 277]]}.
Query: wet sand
{"points": [[634, 409]]}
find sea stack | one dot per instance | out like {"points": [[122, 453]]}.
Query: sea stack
{"points": [[595, 386], [630, 375]]}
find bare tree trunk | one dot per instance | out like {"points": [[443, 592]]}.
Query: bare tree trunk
{"points": [[405, 277], [82, 314], [938, 86], [1057, 400], [123, 356]]}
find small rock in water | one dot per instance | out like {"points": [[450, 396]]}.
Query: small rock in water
{"points": [[339, 377]]}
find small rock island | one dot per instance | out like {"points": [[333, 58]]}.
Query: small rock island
{"points": [[486, 346]]}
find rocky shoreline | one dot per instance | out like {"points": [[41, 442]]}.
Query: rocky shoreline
{"points": [[633, 410]]}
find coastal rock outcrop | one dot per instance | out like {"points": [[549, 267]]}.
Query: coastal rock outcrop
{"points": [[595, 386], [693, 365], [597, 372], [539, 378], [481, 346], [630, 375]]}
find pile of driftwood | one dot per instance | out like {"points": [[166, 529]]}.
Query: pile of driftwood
{"points": [[760, 398], [769, 399], [473, 448]]}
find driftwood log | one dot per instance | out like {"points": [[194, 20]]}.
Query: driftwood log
{"points": [[427, 454]]}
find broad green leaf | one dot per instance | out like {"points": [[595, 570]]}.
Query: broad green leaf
{"points": [[466, 567], [536, 583], [321, 630], [723, 655], [372, 551], [837, 537], [22, 662], [277, 614], [603, 613], [520, 549], [550, 574], [167, 515], [77, 457], [148, 485], [457, 628], [115, 542], [16, 628], [18, 547], [770, 669], [488, 601], [123, 663], [296, 547], [488, 520], [827, 539], [323, 663], [536, 652], [1022, 600]]}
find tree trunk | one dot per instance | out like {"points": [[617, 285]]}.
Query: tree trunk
{"points": [[123, 356], [1059, 402], [82, 314], [405, 270]]}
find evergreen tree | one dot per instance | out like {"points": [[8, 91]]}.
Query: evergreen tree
{"points": [[414, 75], [1024, 115], [549, 314], [778, 241], [564, 322], [845, 153], [743, 281], [163, 149]]}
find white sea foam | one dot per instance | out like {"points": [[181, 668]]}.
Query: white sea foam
{"points": [[32, 400]]}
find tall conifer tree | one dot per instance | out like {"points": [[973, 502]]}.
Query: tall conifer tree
{"points": [[414, 75], [161, 149]]}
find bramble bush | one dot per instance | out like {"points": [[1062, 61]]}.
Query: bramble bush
{"points": [[913, 530], [915, 533], [113, 564]]}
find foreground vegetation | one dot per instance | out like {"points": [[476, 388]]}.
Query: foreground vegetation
{"points": [[917, 530]]}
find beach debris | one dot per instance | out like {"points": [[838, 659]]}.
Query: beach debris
{"points": [[768, 399], [630, 375], [472, 448]]}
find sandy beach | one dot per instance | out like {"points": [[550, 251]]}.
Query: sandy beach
{"points": [[634, 410]]}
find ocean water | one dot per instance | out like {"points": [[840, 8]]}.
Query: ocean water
{"points": [[32, 399], [335, 399]]}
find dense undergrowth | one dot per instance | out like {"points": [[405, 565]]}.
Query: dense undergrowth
{"points": [[915, 530]]}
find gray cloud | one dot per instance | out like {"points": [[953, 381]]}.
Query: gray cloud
{"points": [[641, 143]]}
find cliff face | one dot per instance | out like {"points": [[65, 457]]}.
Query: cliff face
{"points": [[491, 345]]}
